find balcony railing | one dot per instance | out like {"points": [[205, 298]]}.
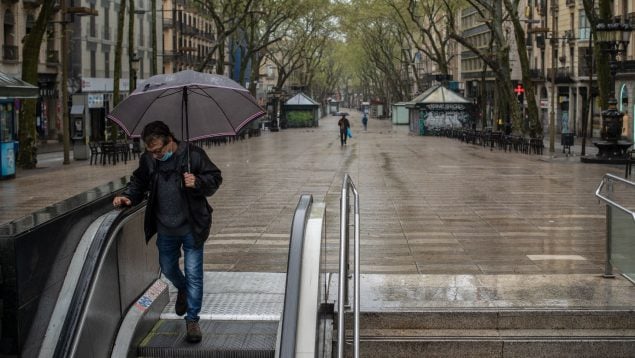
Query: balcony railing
{"points": [[536, 74], [9, 52], [627, 66], [168, 22], [563, 75]]}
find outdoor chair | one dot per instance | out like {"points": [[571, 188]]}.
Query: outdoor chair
{"points": [[122, 151], [108, 153], [95, 152], [536, 145]]}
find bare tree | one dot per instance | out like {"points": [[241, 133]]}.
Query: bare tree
{"points": [[262, 29], [498, 60], [228, 17], [535, 125], [303, 39], [429, 35]]}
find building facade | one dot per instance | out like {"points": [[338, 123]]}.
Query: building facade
{"points": [[559, 50], [18, 17], [188, 37]]}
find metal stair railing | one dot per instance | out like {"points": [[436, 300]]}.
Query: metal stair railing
{"points": [[619, 224], [342, 296]]}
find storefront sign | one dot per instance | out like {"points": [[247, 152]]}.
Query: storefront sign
{"points": [[103, 85], [95, 100]]}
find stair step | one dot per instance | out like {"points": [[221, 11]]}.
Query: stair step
{"points": [[495, 343], [436, 334], [491, 348], [499, 319]]}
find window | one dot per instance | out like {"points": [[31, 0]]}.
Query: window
{"points": [[51, 54], [106, 23], [585, 30], [141, 31], [107, 64], [30, 22], [9, 50], [93, 64], [93, 26]]}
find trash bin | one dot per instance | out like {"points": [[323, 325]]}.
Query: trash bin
{"points": [[566, 140]]}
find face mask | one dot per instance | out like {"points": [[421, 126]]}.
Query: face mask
{"points": [[166, 156]]}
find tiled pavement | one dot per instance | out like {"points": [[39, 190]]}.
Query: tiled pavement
{"points": [[428, 205]]}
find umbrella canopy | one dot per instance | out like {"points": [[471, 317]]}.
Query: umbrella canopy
{"points": [[194, 105]]}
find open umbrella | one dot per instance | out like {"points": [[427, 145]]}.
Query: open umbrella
{"points": [[194, 105]]}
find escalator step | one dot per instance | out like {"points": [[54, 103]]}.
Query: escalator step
{"points": [[235, 339]]}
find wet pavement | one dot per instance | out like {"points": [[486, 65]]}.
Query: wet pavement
{"points": [[429, 205]]}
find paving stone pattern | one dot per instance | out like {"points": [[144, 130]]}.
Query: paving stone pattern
{"points": [[428, 204]]}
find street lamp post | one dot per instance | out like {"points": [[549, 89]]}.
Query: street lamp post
{"points": [[554, 54], [614, 38], [66, 11]]}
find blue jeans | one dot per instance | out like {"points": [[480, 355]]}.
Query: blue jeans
{"points": [[192, 281]]}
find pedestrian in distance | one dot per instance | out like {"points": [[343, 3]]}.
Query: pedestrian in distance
{"points": [[365, 121], [344, 125], [177, 211]]}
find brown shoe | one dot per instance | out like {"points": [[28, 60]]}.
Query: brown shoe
{"points": [[181, 303], [193, 332]]}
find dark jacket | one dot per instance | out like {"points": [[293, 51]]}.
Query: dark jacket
{"points": [[208, 179], [343, 123]]}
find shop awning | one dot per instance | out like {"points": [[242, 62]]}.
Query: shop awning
{"points": [[77, 109], [16, 88]]}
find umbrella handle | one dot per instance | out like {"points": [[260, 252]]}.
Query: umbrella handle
{"points": [[187, 128]]}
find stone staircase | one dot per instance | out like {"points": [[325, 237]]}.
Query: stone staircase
{"points": [[496, 333], [574, 315]]}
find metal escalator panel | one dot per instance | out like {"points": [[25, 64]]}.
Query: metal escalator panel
{"points": [[238, 339]]}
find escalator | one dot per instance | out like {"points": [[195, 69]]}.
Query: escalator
{"points": [[113, 302]]}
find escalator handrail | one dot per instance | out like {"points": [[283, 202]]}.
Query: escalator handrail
{"points": [[342, 290], [290, 311], [112, 223]]}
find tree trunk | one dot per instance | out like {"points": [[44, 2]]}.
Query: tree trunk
{"points": [[153, 25], [131, 47], [220, 62], [535, 126], [114, 130], [27, 135]]}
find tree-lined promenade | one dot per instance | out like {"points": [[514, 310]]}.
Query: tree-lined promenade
{"points": [[383, 50]]}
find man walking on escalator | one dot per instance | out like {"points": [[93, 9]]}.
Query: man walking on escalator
{"points": [[177, 211]]}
